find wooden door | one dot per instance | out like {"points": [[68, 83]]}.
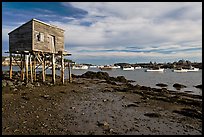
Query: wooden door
{"points": [[52, 43]]}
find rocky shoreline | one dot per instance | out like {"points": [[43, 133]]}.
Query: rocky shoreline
{"points": [[97, 104]]}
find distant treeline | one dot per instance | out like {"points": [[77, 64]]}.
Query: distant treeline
{"points": [[180, 63]]}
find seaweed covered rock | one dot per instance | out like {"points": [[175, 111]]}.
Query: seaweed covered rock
{"points": [[121, 79], [198, 86], [104, 75], [179, 86], [193, 113], [99, 75], [161, 85]]}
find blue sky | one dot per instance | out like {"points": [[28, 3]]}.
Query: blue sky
{"points": [[112, 32]]}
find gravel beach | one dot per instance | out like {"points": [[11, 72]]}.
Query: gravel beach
{"points": [[92, 106]]}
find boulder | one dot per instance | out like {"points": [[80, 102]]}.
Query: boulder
{"points": [[161, 85], [121, 79], [179, 86], [10, 83], [29, 85], [99, 75], [4, 83], [193, 113], [198, 86], [152, 114]]}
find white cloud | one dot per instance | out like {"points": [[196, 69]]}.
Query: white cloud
{"points": [[119, 25]]}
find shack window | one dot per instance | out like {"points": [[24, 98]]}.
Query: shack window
{"points": [[40, 37]]}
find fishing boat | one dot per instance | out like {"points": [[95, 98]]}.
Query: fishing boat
{"points": [[155, 70], [138, 67], [106, 67], [80, 67], [115, 67], [192, 69], [128, 68], [180, 70], [94, 66]]}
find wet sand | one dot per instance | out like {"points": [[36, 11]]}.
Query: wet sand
{"points": [[97, 107]]}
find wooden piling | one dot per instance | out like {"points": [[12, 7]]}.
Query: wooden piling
{"points": [[26, 66], [43, 69], [31, 69], [53, 68], [44, 59], [10, 68], [21, 66], [34, 68], [62, 68], [70, 75]]}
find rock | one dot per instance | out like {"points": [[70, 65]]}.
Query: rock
{"points": [[131, 105], [152, 114], [179, 86], [104, 125], [137, 86], [45, 96], [92, 75], [110, 82], [37, 84], [29, 85], [10, 83], [161, 85], [193, 113], [121, 79], [25, 97], [188, 91], [19, 83], [145, 88], [4, 83], [199, 86]]}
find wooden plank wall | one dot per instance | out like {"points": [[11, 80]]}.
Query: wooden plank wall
{"points": [[47, 32], [21, 38]]}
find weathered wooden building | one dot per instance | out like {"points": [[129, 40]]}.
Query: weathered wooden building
{"points": [[37, 41]]}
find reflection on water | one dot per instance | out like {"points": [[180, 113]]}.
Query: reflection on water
{"points": [[141, 77]]}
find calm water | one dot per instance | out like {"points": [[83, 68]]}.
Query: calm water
{"points": [[141, 77]]}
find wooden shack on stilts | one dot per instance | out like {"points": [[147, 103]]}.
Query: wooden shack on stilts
{"points": [[37, 43]]}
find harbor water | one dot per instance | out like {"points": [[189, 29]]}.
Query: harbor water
{"points": [[189, 79]]}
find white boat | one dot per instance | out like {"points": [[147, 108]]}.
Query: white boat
{"points": [[180, 70], [106, 67], [128, 68], [92, 66], [138, 67], [115, 67], [192, 69], [80, 67], [155, 70]]}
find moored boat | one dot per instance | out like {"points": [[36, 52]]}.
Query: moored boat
{"points": [[155, 70], [128, 68], [192, 69], [138, 67], [180, 70], [80, 67], [106, 67]]}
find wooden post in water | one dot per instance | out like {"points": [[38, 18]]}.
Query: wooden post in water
{"points": [[62, 68], [34, 67], [43, 69], [53, 68], [31, 69], [22, 66], [70, 75], [26, 65], [10, 68], [45, 66]]}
